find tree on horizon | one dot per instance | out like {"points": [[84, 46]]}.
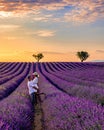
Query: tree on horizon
{"points": [[38, 57], [82, 55]]}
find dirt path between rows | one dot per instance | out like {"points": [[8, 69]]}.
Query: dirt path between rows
{"points": [[38, 118]]}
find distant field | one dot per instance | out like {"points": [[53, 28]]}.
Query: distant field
{"points": [[74, 95]]}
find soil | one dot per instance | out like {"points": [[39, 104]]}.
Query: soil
{"points": [[38, 115]]}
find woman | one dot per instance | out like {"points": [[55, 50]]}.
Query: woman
{"points": [[35, 80]]}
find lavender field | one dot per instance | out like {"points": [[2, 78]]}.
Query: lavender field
{"points": [[74, 95]]}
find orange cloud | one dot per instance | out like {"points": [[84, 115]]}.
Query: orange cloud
{"points": [[9, 26]]}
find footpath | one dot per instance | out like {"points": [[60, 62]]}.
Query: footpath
{"points": [[38, 118]]}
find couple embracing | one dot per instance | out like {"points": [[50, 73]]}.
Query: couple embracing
{"points": [[33, 87]]}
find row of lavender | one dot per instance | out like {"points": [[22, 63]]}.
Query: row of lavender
{"points": [[62, 109], [67, 112], [7, 67], [16, 111], [79, 77], [11, 81], [91, 89], [94, 68]]}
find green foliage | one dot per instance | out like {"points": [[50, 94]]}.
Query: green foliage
{"points": [[83, 55], [38, 57]]}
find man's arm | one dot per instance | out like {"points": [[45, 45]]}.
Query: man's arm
{"points": [[35, 87]]}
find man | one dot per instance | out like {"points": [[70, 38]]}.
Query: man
{"points": [[35, 83], [32, 89], [35, 79]]}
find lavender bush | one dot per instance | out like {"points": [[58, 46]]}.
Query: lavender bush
{"points": [[8, 87], [64, 112], [16, 111], [74, 96]]}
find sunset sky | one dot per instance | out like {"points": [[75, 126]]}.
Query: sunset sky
{"points": [[57, 28]]}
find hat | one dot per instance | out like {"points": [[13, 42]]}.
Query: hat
{"points": [[35, 73]]}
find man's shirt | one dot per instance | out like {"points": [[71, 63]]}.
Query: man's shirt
{"points": [[35, 82]]}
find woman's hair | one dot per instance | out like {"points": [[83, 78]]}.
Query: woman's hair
{"points": [[29, 76]]}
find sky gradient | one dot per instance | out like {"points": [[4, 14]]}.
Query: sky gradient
{"points": [[57, 28]]}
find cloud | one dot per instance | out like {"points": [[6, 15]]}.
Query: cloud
{"points": [[45, 33], [5, 14], [27, 5], [86, 11], [42, 17], [100, 51], [42, 33], [10, 38], [81, 11], [8, 27]]}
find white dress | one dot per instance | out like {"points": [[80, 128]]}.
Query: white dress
{"points": [[30, 87]]}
